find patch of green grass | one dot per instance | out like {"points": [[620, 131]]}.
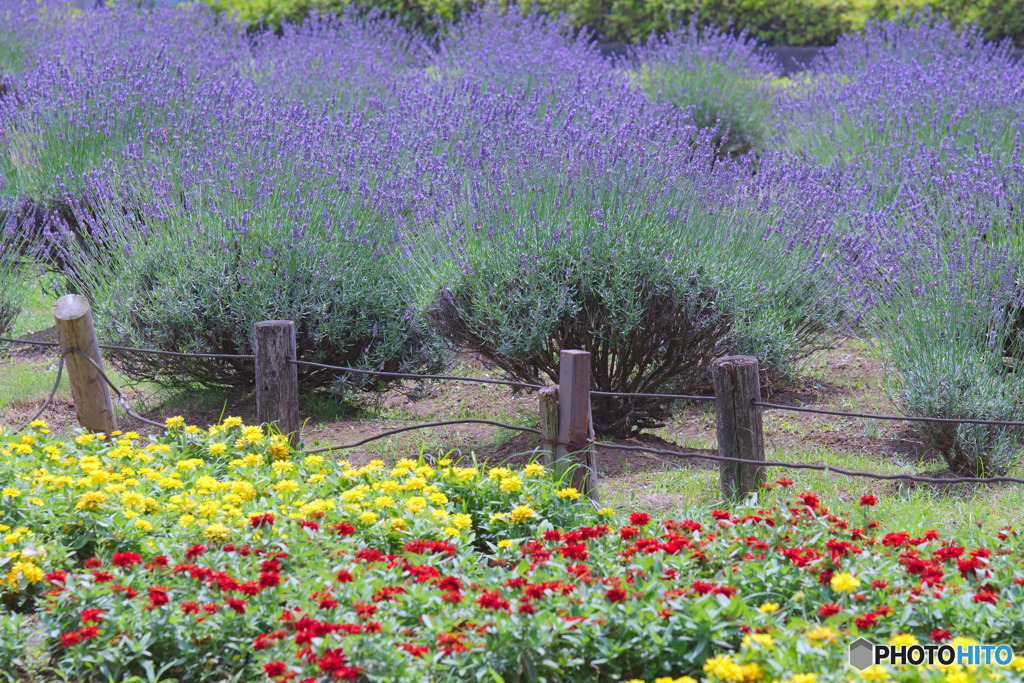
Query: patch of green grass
{"points": [[37, 305], [31, 381]]}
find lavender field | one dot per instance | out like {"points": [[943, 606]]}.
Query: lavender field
{"points": [[506, 189]]}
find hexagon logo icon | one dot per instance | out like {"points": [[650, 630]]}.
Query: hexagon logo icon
{"points": [[862, 654]]}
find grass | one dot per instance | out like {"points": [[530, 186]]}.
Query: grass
{"points": [[846, 378]]}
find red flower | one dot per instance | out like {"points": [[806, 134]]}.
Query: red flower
{"points": [[91, 615], [195, 551], [275, 668], [93, 562], [343, 576], [720, 514], [236, 604], [452, 597], [70, 639], [492, 600], [628, 532], [259, 521], [616, 594], [126, 560], [102, 577], [866, 620], [157, 596], [344, 529], [939, 635], [828, 609], [56, 577], [809, 499], [190, 607], [369, 555], [88, 632], [868, 500], [987, 595], [879, 585], [157, 561], [639, 518], [450, 583], [783, 482]]}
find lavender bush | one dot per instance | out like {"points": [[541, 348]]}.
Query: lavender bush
{"points": [[726, 81]]}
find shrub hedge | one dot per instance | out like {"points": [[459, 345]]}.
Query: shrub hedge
{"points": [[785, 22]]}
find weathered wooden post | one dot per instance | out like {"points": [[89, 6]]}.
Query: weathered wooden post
{"points": [[75, 330], [740, 431], [575, 430], [548, 398], [277, 380]]}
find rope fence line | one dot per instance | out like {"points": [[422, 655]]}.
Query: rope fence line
{"points": [[942, 420], [737, 397], [820, 468], [423, 425]]}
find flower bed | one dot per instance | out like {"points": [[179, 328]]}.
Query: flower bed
{"points": [[205, 554]]}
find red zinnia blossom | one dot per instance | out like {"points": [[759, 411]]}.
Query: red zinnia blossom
{"points": [[450, 583], [492, 600], [258, 521], [703, 587], [125, 560], [91, 615], [195, 551], [93, 562], [453, 597], [269, 580], [720, 514], [369, 555], [157, 561], [987, 595], [415, 650], [364, 611], [343, 576], [783, 482], [879, 585], [639, 518], [236, 604], [157, 596], [526, 608], [70, 639], [866, 620], [308, 524], [344, 529], [868, 500], [939, 635], [56, 577], [809, 499], [616, 594], [275, 668], [628, 532], [552, 535], [190, 607], [88, 632], [249, 588], [828, 609], [102, 577]]}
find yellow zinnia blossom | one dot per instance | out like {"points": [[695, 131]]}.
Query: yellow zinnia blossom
{"points": [[368, 517], [90, 500], [217, 532], [568, 492], [521, 514], [821, 633], [534, 469], [511, 484], [875, 672], [845, 582]]}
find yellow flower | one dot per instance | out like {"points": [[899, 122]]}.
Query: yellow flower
{"points": [[568, 493], [903, 639], [286, 486], [27, 570], [416, 504], [313, 460], [845, 583], [232, 422], [383, 501], [218, 448], [762, 639], [511, 484], [462, 521], [609, 511], [217, 532], [175, 422], [398, 524], [499, 473], [722, 667], [282, 467], [1017, 663], [9, 492], [821, 633], [801, 678], [143, 525], [317, 479], [438, 499], [534, 469], [875, 672], [452, 531], [504, 543], [90, 500], [957, 676], [38, 424], [85, 439], [498, 517], [185, 520], [368, 517], [767, 607], [521, 514]]}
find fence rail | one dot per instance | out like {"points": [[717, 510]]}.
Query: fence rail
{"points": [[566, 435]]}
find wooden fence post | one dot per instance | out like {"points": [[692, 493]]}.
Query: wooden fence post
{"points": [[548, 425], [575, 429], [277, 380], [75, 330], [740, 431]]}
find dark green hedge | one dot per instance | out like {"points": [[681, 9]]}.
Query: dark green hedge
{"points": [[776, 22]]}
